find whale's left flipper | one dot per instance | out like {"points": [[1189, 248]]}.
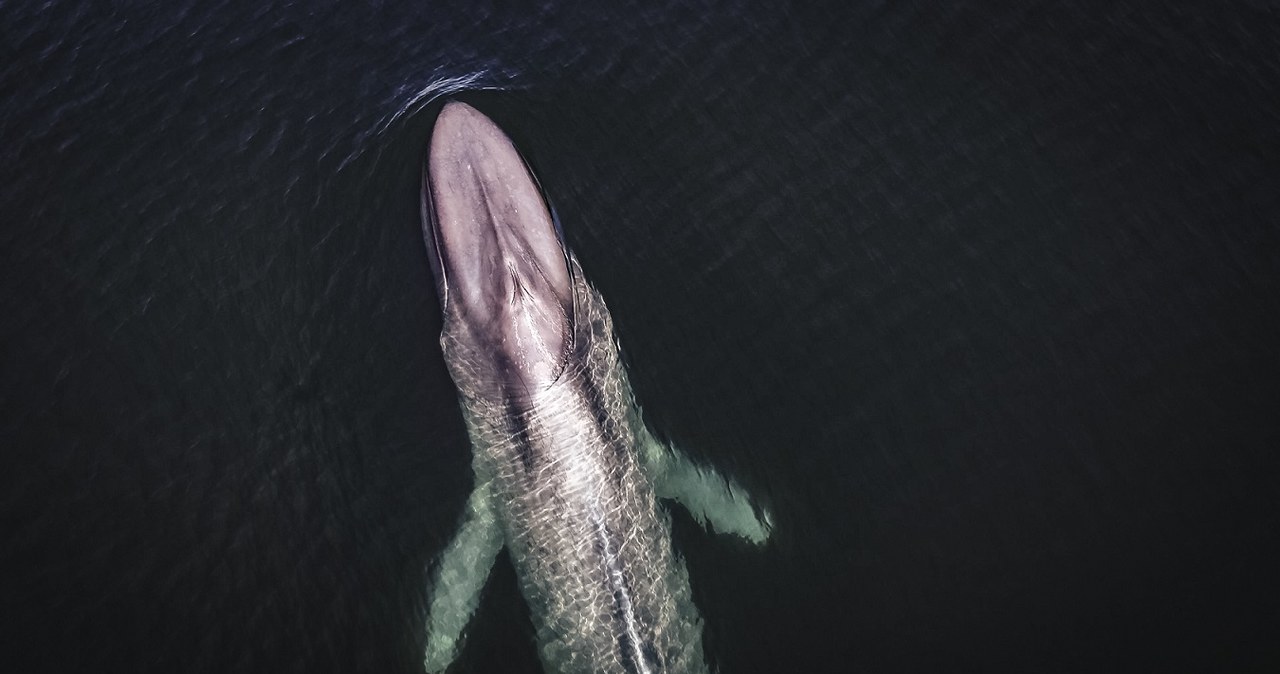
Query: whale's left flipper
{"points": [[714, 501], [464, 566]]}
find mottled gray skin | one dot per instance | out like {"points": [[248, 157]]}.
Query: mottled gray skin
{"points": [[592, 548], [556, 434]]}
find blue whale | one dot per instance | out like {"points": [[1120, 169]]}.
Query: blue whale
{"points": [[567, 475]]}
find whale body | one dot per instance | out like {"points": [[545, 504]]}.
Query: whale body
{"points": [[567, 475]]}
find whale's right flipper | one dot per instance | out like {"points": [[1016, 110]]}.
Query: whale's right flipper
{"points": [[464, 566], [714, 501]]}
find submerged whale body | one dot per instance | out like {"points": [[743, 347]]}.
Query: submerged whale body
{"points": [[567, 476]]}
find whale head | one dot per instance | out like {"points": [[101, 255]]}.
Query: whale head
{"points": [[501, 270]]}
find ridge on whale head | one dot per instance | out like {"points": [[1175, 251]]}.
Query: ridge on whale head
{"points": [[500, 268]]}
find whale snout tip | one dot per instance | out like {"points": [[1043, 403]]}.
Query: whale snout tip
{"points": [[454, 111], [458, 121]]}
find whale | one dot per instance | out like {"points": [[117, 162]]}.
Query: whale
{"points": [[567, 475]]}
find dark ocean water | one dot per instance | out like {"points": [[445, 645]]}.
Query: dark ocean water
{"points": [[980, 299]]}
